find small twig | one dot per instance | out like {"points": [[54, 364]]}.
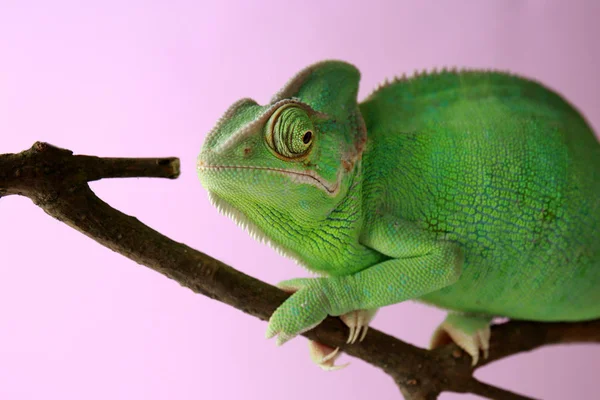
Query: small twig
{"points": [[101, 168], [493, 392], [57, 181]]}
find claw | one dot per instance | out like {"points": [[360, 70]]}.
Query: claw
{"points": [[358, 323], [469, 337], [357, 333], [336, 367], [365, 330], [351, 335], [330, 355], [325, 356], [484, 341], [363, 322]]}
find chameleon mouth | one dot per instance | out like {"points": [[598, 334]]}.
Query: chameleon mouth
{"points": [[307, 177]]}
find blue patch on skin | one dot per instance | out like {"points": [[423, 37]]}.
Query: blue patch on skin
{"points": [[403, 280], [304, 204]]}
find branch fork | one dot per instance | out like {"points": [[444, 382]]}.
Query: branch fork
{"points": [[57, 181]]}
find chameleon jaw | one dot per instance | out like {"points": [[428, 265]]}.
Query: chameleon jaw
{"points": [[307, 177]]}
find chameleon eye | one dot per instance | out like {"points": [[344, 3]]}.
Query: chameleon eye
{"points": [[290, 132]]}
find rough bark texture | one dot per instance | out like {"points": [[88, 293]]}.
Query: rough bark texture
{"points": [[57, 181]]}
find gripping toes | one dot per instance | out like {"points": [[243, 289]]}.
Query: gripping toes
{"points": [[470, 333], [325, 356], [358, 321], [301, 312], [306, 308]]}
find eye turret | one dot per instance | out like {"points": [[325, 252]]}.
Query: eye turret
{"points": [[290, 132]]}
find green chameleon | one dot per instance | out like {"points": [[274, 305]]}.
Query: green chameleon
{"points": [[474, 191]]}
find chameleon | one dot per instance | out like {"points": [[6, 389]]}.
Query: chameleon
{"points": [[474, 191]]}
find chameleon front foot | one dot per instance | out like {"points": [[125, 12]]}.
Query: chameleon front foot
{"points": [[325, 356], [358, 321], [470, 333], [306, 308]]}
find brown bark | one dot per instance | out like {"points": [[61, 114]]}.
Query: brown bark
{"points": [[57, 181]]}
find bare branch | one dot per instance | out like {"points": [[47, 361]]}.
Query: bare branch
{"points": [[493, 392], [57, 181], [100, 168]]}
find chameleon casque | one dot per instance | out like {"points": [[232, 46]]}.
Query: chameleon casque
{"points": [[474, 191]]}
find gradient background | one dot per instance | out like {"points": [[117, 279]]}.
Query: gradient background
{"points": [[150, 78]]}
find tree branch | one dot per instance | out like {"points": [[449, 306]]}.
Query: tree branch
{"points": [[57, 181]]}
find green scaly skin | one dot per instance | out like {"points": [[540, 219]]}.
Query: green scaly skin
{"points": [[477, 192]]}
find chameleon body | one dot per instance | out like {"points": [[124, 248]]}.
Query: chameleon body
{"points": [[474, 191]]}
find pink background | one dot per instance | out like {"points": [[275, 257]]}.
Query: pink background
{"points": [[149, 78]]}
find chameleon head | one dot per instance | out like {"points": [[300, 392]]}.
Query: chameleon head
{"points": [[290, 161]]}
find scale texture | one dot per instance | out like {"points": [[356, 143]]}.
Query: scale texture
{"points": [[475, 191]]}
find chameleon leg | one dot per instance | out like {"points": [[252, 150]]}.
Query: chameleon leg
{"points": [[419, 264], [469, 332], [357, 321], [386, 283]]}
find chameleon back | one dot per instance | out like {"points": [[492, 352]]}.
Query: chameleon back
{"points": [[506, 168]]}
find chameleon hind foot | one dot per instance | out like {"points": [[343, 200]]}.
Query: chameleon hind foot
{"points": [[470, 333]]}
